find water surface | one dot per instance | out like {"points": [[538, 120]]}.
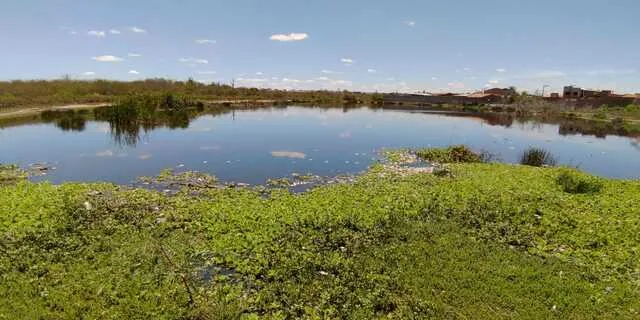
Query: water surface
{"points": [[253, 145]]}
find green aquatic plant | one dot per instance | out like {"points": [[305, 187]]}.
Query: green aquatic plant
{"points": [[455, 154], [577, 183], [497, 241], [537, 157], [11, 174]]}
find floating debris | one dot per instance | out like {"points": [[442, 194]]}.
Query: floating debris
{"points": [[288, 154]]}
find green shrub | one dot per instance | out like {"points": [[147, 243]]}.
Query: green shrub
{"points": [[537, 157], [601, 114], [573, 182], [632, 108], [454, 154]]}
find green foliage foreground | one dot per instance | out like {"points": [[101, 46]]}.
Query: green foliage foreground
{"points": [[496, 241]]}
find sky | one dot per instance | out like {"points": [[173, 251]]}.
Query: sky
{"points": [[364, 45]]}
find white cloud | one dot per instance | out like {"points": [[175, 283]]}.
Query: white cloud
{"points": [[96, 33], [253, 80], [347, 61], [466, 69], [455, 85], [259, 73], [342, 82], [330, 72], [372, 70], [323, 78], [501, 70], [494, 81], [88, 73], [410, 23], [207, 72], [275, 78], [137, 30], [391, 79], [205, 41], [114, 31], [133, 72], [193, 60], [434, 78], [289, 37], [107, 59], [290, 80]]}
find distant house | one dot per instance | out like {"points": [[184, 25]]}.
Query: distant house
{"points": [[571, 92], [555, 95]]}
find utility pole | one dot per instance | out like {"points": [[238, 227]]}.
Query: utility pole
{"points": [[543, 87]]}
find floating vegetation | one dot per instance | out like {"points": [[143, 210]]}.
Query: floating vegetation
{"points": [[11, 174], [171, 181], [482, 241], [455, 154]]}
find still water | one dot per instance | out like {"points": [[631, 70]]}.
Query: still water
{"points": [[254, 145]]}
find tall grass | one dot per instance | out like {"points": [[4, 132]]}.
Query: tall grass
{"points": [[537, 157]]}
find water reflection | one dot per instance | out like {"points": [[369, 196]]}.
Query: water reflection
{"points": [[66, 120], [130, 122]]}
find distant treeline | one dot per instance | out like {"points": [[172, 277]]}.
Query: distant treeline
{"points": [[15, 94]]}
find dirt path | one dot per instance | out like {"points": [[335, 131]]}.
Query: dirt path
{"points": [[16, 113]]}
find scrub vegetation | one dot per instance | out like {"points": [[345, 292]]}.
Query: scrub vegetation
{"points": [[22, 94], [490, 241]]}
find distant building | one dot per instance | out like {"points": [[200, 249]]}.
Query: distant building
{"points": [[503, 92], [555, 95], [571, 92]]}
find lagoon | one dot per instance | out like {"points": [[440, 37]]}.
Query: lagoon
{"points": [[251, 146]]}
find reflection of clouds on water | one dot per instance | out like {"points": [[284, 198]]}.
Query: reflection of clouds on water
{"points": [[105, 153], [210, 148], [345, 135], [103, 128], [200, 129], [144, 156], [288, 154]]}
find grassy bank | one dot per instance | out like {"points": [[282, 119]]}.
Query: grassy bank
{"points": [[488, 241], [16, 95]]}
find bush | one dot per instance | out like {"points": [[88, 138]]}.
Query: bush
{"points": [[537, 157], [632, 108], [455, 154], [572, 182], [601, 114]]}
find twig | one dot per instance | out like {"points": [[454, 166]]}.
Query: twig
{"points": [[182, 275]]}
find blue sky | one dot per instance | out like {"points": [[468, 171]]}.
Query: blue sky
{"points": [[357, 45]]}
